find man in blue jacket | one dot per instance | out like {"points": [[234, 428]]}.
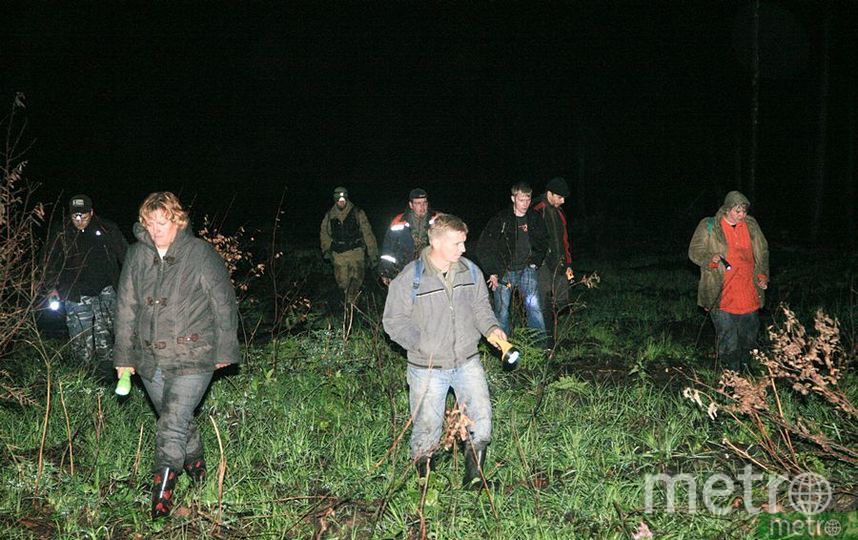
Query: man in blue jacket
{"points": [[407, 235]]}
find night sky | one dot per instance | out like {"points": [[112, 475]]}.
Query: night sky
{"points": [[643, 106]]}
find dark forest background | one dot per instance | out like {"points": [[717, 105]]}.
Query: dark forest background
{"points": [[645, 107]]}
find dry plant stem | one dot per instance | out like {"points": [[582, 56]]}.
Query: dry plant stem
{"points": [[784, 434], [485, 484], [68, 428], [44, 434], [423, 503], [221, 473], [747, 456], [136, 466], [99, 420], [395, 444]]}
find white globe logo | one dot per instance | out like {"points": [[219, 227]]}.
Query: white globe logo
{"points": [[809, 493], [832, 528]]}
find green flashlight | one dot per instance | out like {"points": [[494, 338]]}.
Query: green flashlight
{"points": [[124, 384]]}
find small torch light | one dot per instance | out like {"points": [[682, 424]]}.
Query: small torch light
{"points": [[509, 353]]}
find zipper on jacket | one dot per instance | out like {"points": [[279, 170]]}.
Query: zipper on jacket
{"points": [[154, 326]]}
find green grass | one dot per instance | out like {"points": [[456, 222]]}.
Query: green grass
{"points": [[311, 426]]}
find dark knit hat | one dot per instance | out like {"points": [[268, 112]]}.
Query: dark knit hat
{"points": [[80, 204], [340, 193], [558, 186], [417, 193]]}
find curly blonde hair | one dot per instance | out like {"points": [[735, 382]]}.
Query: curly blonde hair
{"points": [[168, 203]]}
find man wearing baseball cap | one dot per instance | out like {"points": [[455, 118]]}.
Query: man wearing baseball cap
{"points": [[407, 235], [347, 241], [82, 263]]}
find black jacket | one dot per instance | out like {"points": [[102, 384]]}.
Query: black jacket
{"points": [[82, 263], [178, 313], [496, 247]]}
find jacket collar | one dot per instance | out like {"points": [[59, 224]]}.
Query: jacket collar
{"points": [[183, 236]]}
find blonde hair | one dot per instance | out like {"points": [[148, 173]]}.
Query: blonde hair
{"points": [[521, 187], [166, 202], [443, 223]]}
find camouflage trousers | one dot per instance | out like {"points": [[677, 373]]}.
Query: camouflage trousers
{"points": [[349, 268], [90, 325]]}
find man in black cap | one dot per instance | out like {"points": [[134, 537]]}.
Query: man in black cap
{"points": [[345, 234], [82, 263], [407, 235], [555, 274]]}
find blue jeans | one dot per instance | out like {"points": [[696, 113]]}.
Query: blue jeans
{"points": [[527, 284], [737, 335], [177, 440], [427, 395]]}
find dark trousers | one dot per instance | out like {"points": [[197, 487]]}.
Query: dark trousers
{"points": [[90, 326], [175, 397], [553, 295], [737, 335]]}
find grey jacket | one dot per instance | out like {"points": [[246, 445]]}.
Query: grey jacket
{"points": [[438, 328], [177, 313]]}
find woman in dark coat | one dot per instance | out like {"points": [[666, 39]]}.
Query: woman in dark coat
{"points": [[176, 323]]}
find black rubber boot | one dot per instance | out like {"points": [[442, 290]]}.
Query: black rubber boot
{"points": [[475, 458], [197, 471], [423, 465], [163, 483]]}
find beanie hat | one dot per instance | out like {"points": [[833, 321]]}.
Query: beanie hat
{"points": [[558, 186]]}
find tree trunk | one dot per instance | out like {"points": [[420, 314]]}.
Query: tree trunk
{"points": [[755, 104], [822, 136], [850, 176]]}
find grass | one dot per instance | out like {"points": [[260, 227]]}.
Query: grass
{"points": [[315, 445]]}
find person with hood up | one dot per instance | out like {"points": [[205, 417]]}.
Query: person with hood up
{"points": [[176, 323], [733, 257], [347, 241]]}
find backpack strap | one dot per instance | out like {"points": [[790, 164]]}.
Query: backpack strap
{"points": [[418, 275]]}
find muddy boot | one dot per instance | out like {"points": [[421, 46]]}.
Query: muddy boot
{"points": [[423, 465], [475, 458], [163, 483], [197, 472]]}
